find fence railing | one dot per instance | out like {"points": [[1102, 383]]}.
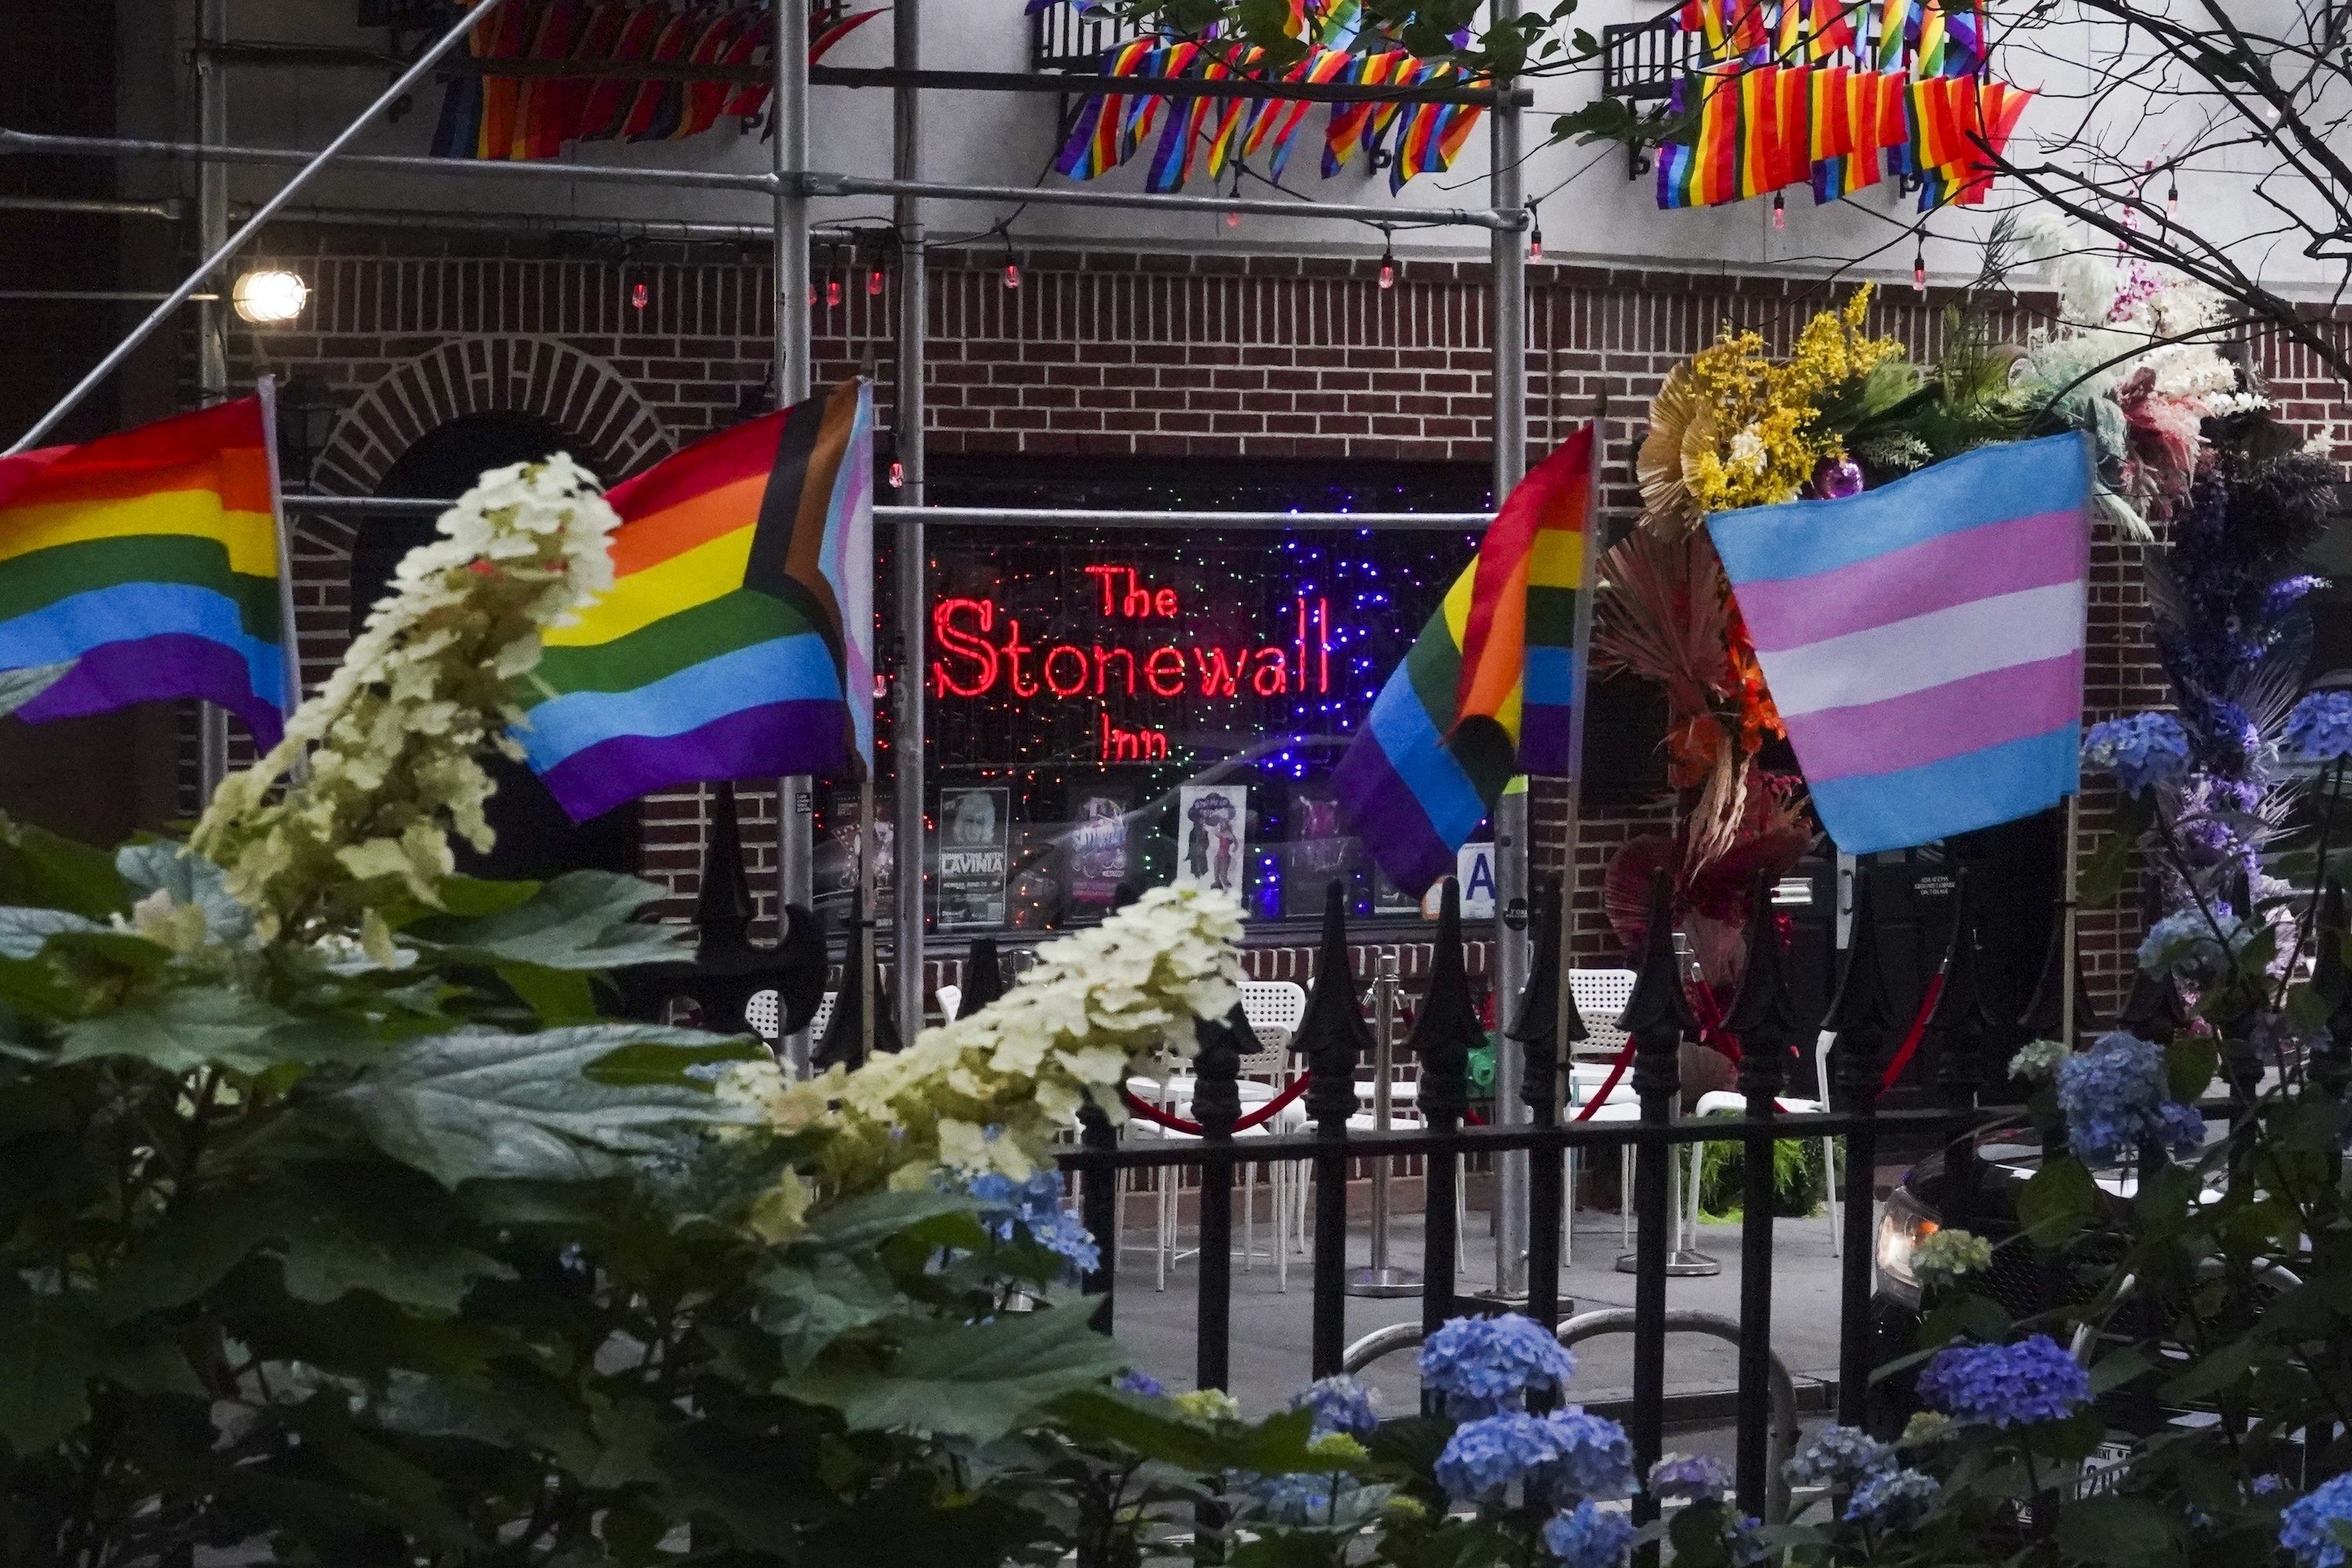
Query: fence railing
{"points": [[1333, 1038]]}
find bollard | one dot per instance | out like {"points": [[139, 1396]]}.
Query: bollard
{"points": [[1380, 1278]]}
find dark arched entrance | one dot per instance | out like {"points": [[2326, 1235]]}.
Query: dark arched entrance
{"points": [[535, 838]]}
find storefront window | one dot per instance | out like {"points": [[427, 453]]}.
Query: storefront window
{"points": [[1115, 709]]}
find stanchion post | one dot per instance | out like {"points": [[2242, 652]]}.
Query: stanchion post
{"points": [[794, 804], [1332, 1038]]}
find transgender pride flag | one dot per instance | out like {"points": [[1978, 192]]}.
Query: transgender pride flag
{"points": [[1923, 640]]}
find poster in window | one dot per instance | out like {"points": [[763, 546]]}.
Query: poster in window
{"points": [[1320, 851], [833, 875], [1098, 858], [974, 857], [1211, 826]]}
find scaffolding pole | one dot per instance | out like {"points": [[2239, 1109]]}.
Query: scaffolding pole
{"points": [[795, 806], [913, 550], [212, 321], [216, 257]]}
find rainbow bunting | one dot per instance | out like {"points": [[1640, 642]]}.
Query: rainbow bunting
{"points": [[1832, 29], [740, 613], [1489, 688], [1757, 113], [1895, 23], [1928, 58], [1794, 125], [150, 562], [1342, 22]]}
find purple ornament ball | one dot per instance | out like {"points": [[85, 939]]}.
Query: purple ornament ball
{"points": [[1834, 479]]}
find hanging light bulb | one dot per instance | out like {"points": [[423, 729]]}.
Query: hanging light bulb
{"points": [[1232, 219], [874, 281], [2172, 200], [1779, 210], [639, 296], [1012, 271], [1920, 268], [1388, 266], [832, 292], [898, 476], [1535, 233]]}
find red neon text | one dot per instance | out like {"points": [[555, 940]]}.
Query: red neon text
{"points": [[1137, 745], [1123, 594], [980, 657]]}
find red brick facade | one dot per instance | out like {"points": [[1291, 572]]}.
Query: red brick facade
{"points": [[1100, 353]]}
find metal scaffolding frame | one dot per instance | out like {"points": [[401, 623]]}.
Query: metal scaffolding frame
{"points": [[793, 185]]}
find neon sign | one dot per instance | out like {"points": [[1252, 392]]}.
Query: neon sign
{"points": [[1140, 653]]}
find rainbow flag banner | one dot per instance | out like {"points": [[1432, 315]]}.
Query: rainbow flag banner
{"points": [[740, 613], [150, 562], [1489, 688], [1923, 640]]}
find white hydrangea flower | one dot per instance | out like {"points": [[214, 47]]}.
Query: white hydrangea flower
{"points": [[394, 739], [992, 1092]]}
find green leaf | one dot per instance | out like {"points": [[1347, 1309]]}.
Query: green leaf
{"points": [[478, 1103], [863, 1224], [328, 1243], [187, 1027], [557, 996], [579, 921], [2189, 1067], [2103, 870], [808, 1305], [2117, 1368], [24, 932], [976, 1381], [160, 867], [51, 1347], [2057, 1201], [673, 1061], [2219, 1370], [2125, 1530], [20, 686], [42, 869]]}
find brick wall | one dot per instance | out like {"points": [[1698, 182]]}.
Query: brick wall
{"points": [[1100, 354]]}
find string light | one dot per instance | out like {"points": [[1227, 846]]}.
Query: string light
{"points": [[1920, 268], [897, 475], [1387, 264], [2172, 198], [1779, 211], [1535, 233], [874, 281], [639, 296], [1011, 268], [832, 293]]}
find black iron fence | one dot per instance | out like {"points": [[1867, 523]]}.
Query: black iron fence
{"points": [[1333, 1038]]}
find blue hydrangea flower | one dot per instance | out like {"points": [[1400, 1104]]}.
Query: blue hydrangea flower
{"points": [[2181, 1128], [1340, 1403], [2308, 1528], [1595, 1458], [1485, 1365], [1694, 1477], [2113, 1096], [2320, 729], [1892, 1499], [1486, 1454], [2006, 1385], [1587, 1536], [1304, 1498], [1035, 1207], [2142, 751], [1839, 1456], [2186, 940], [1142, 1382], [2266, 1483]]}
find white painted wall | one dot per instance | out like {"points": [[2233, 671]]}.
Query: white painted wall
{"points": [[1595, 215]]}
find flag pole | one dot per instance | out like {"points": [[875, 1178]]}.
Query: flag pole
{"points": [[864, 947], [1587, 589]]}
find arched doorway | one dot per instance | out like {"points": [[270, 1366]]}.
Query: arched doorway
{"points": [[535, 838]]}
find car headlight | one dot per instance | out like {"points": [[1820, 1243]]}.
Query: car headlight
{"points": [[1903, 1225]]}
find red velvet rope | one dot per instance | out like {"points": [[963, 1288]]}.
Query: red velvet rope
{"points": [[1918, 1030], [1616, 1070], [1150, 1112]]}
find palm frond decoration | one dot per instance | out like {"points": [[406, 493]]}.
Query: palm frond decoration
{"points": [[1681, 427]]}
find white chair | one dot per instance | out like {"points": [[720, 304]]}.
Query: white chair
{"points": [[1273, 1008], [1172, 1092], [1600, 996], [760, 1016], [822, 1015], [950, 1003]]}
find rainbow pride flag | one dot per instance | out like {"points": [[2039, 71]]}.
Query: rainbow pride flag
{"points": [[1923, 640], [1489, 688], [151, 561], [738, 639]]}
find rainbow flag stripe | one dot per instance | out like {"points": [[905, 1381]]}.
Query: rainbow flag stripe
{"points": [[1923, 640], [719, 652], [1487, 690], [151, 559]]}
